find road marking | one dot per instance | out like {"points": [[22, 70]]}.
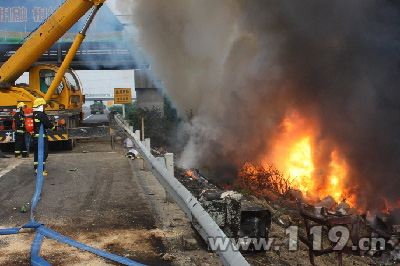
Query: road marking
{"points": [[10, 167], [87, 117]]}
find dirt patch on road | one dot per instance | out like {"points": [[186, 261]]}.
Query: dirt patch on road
{"points": [[142, 245]]}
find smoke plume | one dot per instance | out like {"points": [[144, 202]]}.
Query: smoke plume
{"points": [[243, 66]]}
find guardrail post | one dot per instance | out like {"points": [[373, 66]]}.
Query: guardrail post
{"points": [[146, 143], [112, 142], [137, 133], [112, 135], [169, 163]]}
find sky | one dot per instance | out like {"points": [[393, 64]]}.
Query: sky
{"points": [[101, 81], [111, 4], [104, 81]]}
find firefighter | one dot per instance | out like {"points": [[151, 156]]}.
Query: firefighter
{"points": [[19, 120], [40, 118]]}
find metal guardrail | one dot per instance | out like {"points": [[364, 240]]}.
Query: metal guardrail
{"points": [[202, 221]]}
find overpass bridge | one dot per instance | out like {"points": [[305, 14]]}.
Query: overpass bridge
{"points": [[111, 55], [102, 97], [108, 44]]}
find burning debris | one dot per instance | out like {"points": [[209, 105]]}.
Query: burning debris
{"points": [[159, 151], [191, 174], [349, 233], [376, 236], [262, 180], [239, 219], [225, 208], [194, 181]]}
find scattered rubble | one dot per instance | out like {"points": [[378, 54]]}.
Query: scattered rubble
{"points": [[286, 212]]}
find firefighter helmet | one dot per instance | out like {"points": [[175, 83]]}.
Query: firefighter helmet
{"points": [[39, 102], [21, 105]]}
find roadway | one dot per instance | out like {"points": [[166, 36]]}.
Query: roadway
{"points": [[107, 202], [100, 204], [95, 118]]}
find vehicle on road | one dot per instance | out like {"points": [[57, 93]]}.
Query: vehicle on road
{"points": [[97, 106], [58, 85]]}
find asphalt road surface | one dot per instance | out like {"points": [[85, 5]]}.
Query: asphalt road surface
{"points": [[101, 204], [96, 118]]}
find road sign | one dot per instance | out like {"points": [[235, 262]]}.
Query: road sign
{"points": [[122, 95]]}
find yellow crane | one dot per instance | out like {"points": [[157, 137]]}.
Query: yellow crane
{"points": [[58, 85]]}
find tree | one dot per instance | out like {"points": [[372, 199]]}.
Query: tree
{"points": [[117, 108], [158, 126]]}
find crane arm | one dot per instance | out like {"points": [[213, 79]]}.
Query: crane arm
{"points": [[70, 55], [48, 34]]}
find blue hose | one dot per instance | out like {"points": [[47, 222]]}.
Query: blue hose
{"points": [[39, 176]]}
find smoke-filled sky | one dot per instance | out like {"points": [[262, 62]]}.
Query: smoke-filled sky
{"points": [[243, 66]]}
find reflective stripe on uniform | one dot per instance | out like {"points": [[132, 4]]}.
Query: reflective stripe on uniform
{"points": [[37, 120], [18, 151], [37, 135], [20, 131]]}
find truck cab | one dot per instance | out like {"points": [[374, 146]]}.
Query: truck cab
{"points": [[68, 94]]}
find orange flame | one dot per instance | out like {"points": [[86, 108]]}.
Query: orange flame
{"points": [[389, 207], [191, 174], [294, 154], [227, 187]]}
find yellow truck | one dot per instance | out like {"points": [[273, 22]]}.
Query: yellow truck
{"points": [[58, 85]]}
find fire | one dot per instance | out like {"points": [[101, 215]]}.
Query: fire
{"points": [[300, 158], [389, 207], [336, 179], [294, 153], [299, 165], [191, 174], [227, 187]]}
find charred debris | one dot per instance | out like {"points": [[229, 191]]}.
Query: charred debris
{"points": [[241, 215]]}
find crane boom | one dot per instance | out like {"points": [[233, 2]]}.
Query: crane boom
{"points": [[49, 33]]}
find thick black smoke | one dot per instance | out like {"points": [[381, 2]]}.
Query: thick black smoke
{"points": [[244, 65]]}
